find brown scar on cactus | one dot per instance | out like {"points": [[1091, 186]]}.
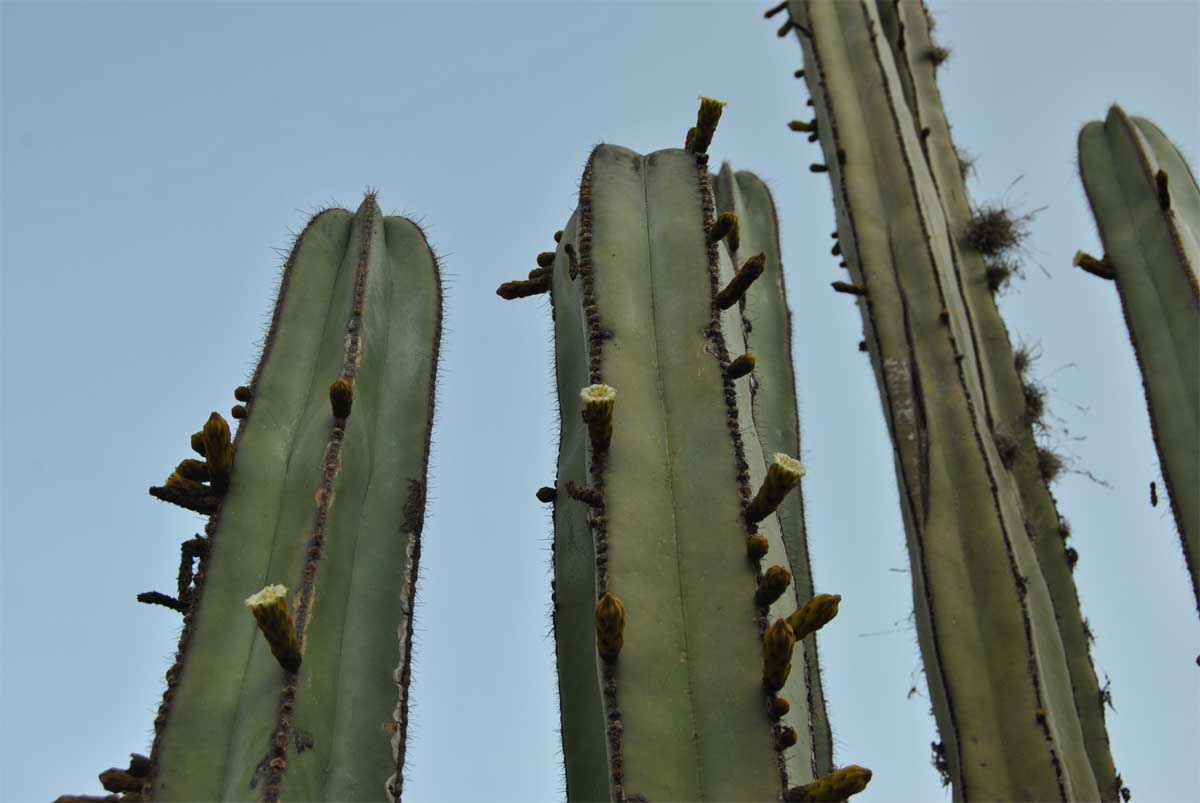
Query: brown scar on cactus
{"points": [[1097, 267], [814, 614], [750, 270], [777, 655], [837, 785], [771, 585], [740, 366], [341, 398], [597, 413], [848, 288], [572, 260], [783, 474], [274, 618], [725, 227], [706, 124], [610, 626]]}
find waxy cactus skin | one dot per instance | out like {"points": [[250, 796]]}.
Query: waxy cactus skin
{"points": [[330, 506]]}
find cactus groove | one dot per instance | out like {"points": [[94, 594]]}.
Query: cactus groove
{"points": [[331, 507], [1147, 207], [997, 615]]}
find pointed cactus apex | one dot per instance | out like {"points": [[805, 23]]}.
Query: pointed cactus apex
{"points": [[238, 411], [545, 259], [610, 626], [270, 610], [558, 236], [341, 398], [787, 738], [740, 367], [218, 451], [193, 470], [777, 655], [778, 709], [806, 126], [783, 474], [757, 546], [726, 225], [597, 413], [837, 785], [706, 124], [733, 292], [772, 584], [242, 393], [1097, 267], [198, 443], [546, 494], [814, 614]]}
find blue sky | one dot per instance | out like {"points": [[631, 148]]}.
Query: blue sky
{"points": [[152, 154]]}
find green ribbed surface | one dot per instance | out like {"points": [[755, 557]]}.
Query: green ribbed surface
{"points": [[1154, 254], [225, 709], [688, 681], [986, 623]]}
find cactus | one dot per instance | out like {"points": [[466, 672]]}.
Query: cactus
{"points": [[657, 522], [330, 503], [998, 617], [1147, 208]]}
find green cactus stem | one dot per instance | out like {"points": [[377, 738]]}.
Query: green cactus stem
{"points": [[637, 300], [334, 507], [978, 531], [1147, 207]]}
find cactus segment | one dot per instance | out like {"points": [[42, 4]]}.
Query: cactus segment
{"points": [[732, 293], [777, 655], [341, 398], [336, 505], [610, 626], [807, 126], [771, 585], [1097, 267], [546, 495], [725, 227], [198, 443], [783, 474], [837, 785], [1151, 237], [741, 366], [902, 215], [706, 124], [757, 546], [814, 614], [193, 470], [545, 259], [787, 737], [523, 288], [270, 610], [218, 452], [598, 413]]}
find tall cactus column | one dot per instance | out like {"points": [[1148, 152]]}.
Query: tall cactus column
{"points": [[999, 676], [1147, 208], [663, 591], [326, 497]]}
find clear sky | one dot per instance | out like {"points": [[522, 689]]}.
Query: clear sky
{"points": [[152, 155]]}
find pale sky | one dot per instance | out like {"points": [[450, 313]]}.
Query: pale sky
{"points": [[152, 154]]}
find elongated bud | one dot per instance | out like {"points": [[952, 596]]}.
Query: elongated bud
{"points": [[198, 443], [341, 398], [242, 393], [116, 780], [523, 289], [848, 288], [610, 626], [726, 225], [777, 655], [814, 614], [1097, 267], [837, 785], [706, 124], [818, 168], [802, 125], [773, 10], [270, 610], [798, 74], [193, 470], [184, 485], [757, 546], [778, 709], [597, 413], [785, 29], [740, 367], [539, 275], [218, 451], [787, 738], [783, 474], [733, 292], [772, 584]]}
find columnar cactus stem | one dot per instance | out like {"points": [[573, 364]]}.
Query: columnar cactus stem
{"points": [[1150, 226], [336, 504], [977, 529]]}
